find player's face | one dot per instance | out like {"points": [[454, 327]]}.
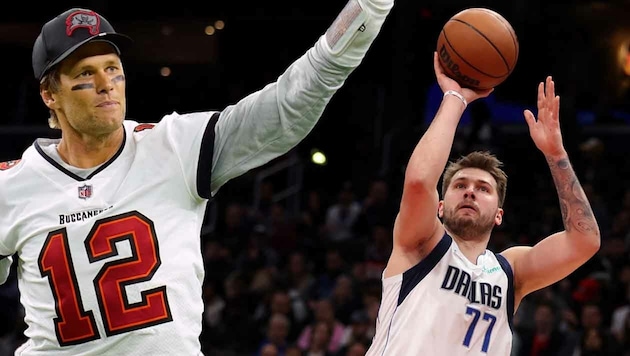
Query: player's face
{"points": [[470, 207], [91, 99]]}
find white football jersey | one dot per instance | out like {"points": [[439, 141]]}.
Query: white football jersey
{"points": [[96, 254], [447, 306], [109, 260]]}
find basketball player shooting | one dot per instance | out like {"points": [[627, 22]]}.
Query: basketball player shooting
{"points": [[444, 293], [106, 221]]}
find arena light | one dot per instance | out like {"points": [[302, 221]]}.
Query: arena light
{"points": [[318, 157], [165, 71]]}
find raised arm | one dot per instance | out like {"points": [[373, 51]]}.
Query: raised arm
{"points": [[558, 255], [268, 123], [417, 220]]}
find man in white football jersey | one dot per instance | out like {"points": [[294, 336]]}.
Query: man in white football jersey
{"points": [[105, 222], [444, 293]]}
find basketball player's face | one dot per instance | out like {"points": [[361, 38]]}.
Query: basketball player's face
{"points": [[92, 95], [470, 208]]}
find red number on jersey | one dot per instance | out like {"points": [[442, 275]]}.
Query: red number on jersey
{"points": [[73, 324], [118, 314]]}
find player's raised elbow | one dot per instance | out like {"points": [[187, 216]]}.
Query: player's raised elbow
{"points": [[589, 238], [419, 195], [419, 183], [595, 241]]}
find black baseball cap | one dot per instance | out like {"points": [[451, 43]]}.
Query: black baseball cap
{"points": [[68, 31]]}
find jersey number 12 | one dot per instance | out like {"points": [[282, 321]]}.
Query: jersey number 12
{"points": [[73, 324]]}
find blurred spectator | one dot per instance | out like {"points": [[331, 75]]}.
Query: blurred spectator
{"points": [[343, 298], [356, 349], [621, 224], [282, 231], [319, 340], [269, 350], [294, 350], [280, 303], [218, 264], [600, 209], [357, 332], [377, 208], [500, 240], [596, 342], [594, 168], [275, 340], [334, 266], [589, 291], [378, 250], [234, 229], [342, 216], [620, 318], [544, 338], [312, 218], [256, 253], [324, 313], [242, 335], [297, 276], [260, 211], [593, 338], [525, 317]]}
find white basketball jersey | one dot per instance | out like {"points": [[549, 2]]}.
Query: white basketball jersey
{"points": [[101, 258], [447, 306]]}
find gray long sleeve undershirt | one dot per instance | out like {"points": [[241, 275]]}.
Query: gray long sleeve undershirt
{"points": [[268, 123]]}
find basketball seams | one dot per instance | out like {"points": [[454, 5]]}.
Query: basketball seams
{"points": [[464, 59], [478, 35], [508, 26], [507, 65]]}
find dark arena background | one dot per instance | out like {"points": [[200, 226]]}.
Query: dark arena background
{"points": [[268, 245]]}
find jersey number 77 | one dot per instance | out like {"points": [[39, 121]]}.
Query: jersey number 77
{"points": [[491, 319]]}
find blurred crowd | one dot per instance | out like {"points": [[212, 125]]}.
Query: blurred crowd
{"points": [[308, 282]]}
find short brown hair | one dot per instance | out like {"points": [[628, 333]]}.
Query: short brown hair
{"points": [[478, 159], [51, 82]]}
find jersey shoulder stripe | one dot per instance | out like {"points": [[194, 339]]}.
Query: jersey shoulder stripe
{"points": [[416, 274], [505, 265], [206, 154]]}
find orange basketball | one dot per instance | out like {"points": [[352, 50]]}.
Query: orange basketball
{"points": [[478, 48]]}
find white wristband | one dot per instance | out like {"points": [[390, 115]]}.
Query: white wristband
{"points": [[460, 96]]}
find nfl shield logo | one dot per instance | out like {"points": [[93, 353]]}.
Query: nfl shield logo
{"points": [[85, 191]]}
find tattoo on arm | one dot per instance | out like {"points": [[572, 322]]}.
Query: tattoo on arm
{"points": [[576, 210]]}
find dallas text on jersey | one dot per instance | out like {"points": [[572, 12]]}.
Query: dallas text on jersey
{"points": [[460, 282]]}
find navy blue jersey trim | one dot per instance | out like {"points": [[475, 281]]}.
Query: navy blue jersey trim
{"points": [[74, 176], [206, 152], [505, 265], [416, 274]]}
